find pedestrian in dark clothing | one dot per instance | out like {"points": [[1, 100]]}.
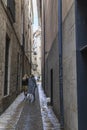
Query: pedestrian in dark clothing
{"points": [[25, 85], [32, 86]]}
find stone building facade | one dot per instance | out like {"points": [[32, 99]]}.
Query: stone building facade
{"points": [[69, 66], [11, 51], [38, 41], [64, 59], [28, 35], [36, 55], [49, 45]]}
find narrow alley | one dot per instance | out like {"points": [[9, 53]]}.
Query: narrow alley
{"points": [[43, 65], [23, 115]]}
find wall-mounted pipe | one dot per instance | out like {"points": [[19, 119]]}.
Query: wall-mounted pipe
{"points": [[44, 39], [60, 62]]}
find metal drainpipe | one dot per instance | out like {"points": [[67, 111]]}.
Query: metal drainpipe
{"points": [[44, 41], [60, 62], [30, 56], [23, 40]]}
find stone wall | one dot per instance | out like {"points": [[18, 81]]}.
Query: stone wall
{"points": [[50, 19], [14, 62], [18, 19], [50, 42], [69, 68]]}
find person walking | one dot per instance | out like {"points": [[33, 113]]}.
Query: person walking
{"points": [[32, 86], [25, 85]]}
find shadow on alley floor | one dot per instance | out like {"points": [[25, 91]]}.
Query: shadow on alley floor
{"points": [[22, 115], [30, 118]]}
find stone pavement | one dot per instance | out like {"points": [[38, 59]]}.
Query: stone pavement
{"points": [[9, 119], [50, 121], [22, 115], [30, 118]]}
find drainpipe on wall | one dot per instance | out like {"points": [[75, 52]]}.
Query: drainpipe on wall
{"points": [[23, 46], [60, 62], [30, 55], [44, 40]]}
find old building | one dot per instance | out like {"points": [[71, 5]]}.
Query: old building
{"points": [[12, 54], [64, 59], [69, 66], [36, 55], [38, 42], [50, 69], [28, 34]]}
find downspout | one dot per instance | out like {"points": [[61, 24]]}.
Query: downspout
{"points": [[23, 46], [60, 62], [30, 54], [44, 40], [30, 37]]}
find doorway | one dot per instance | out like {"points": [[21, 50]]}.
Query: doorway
{"points": [[51, 82], [6, 75], [81, 55]]}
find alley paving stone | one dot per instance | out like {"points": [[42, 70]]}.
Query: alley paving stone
{"points": [[9, 119], [50, 121], [30, 118], [22, 115]]}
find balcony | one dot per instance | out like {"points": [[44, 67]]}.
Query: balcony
{"points": [[11, 7]]}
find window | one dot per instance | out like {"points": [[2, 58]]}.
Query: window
{"points": [[11, 7], [6, 65]]}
